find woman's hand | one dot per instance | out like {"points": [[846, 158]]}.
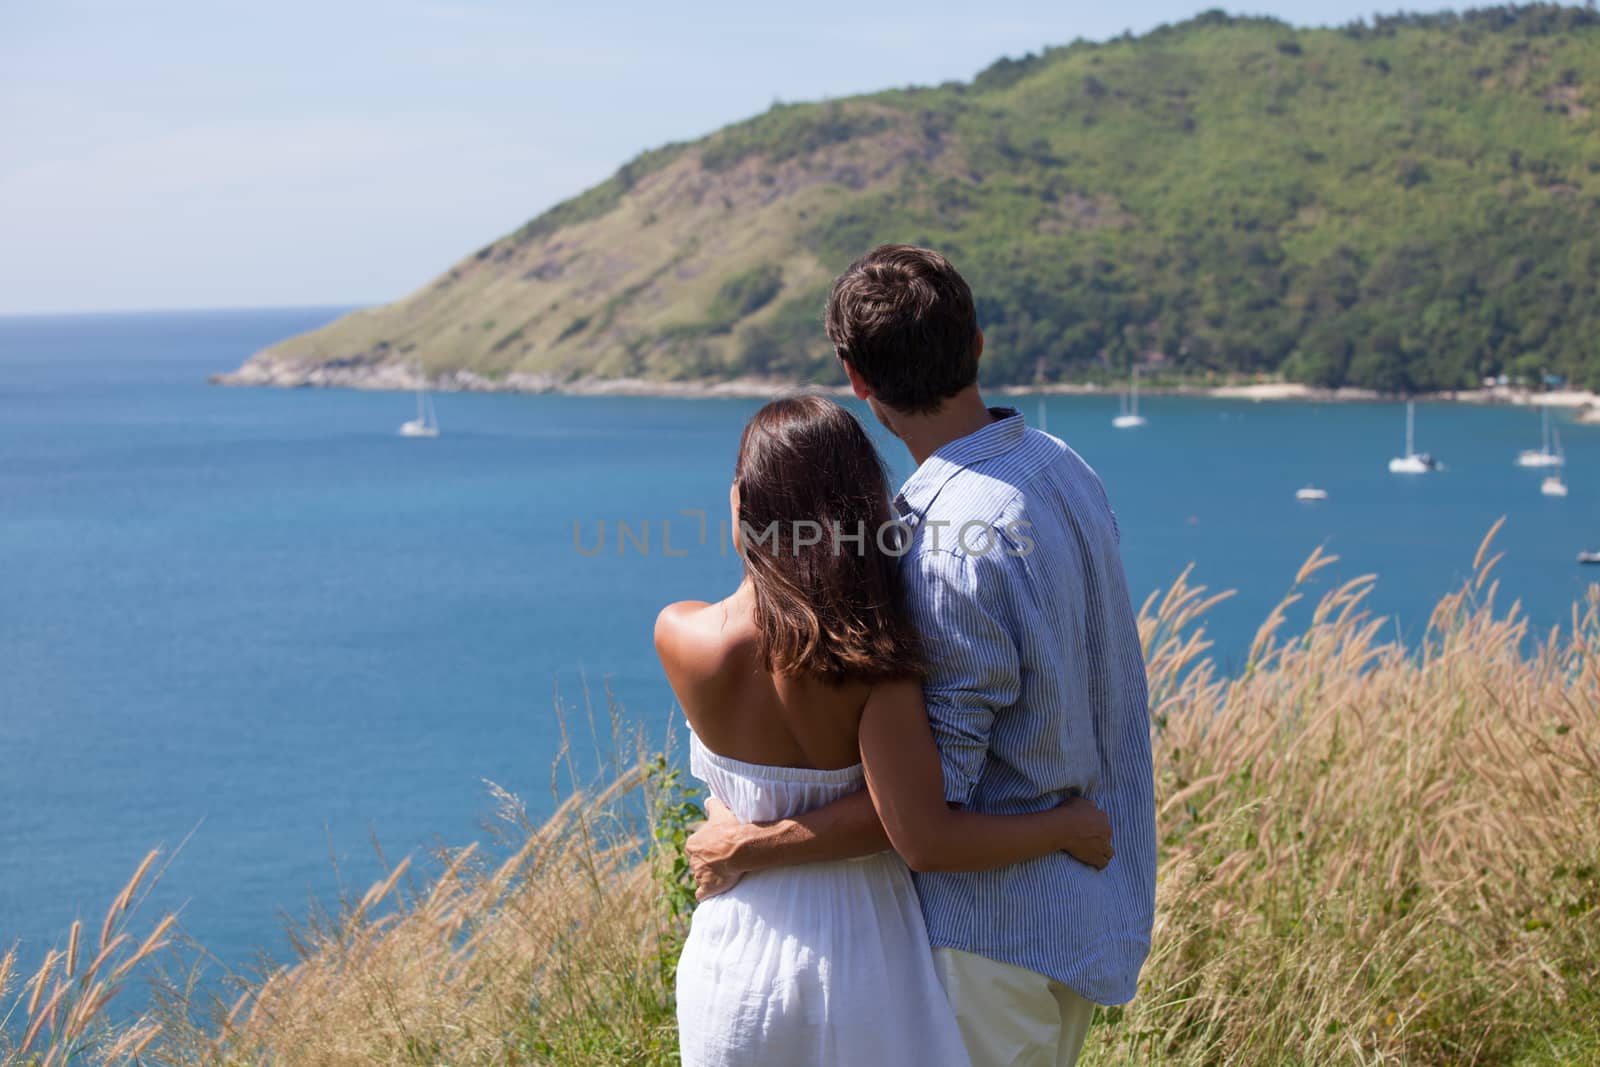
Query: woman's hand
{"points": [[1086, 832]]}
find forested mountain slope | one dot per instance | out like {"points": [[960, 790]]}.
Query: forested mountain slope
{"points": [[1403, 204]]}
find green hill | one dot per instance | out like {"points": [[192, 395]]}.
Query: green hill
{"points": [[1403, 204]]}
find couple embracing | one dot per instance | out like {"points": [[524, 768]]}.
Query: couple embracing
{"points": [[948, 682]]}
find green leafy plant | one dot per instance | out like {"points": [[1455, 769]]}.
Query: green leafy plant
{"points": [[675, 813]]}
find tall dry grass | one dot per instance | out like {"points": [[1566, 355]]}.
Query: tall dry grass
{"points": [[58, 1015], [554, 945], [1373, 854], [1370, 854], [544, 950], [559, 952]]}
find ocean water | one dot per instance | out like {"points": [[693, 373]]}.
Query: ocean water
{"points": [[261, 622]]}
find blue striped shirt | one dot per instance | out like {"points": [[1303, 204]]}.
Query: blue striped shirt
{"points": [[1036, 690]]}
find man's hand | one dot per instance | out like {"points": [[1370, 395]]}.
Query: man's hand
{"points": [[723, 849], [711, 849]]}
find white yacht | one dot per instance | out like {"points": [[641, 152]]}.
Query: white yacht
{"points": [[1543, 456], [1311, 492], [1553, 485], [1413, 462], [1130, 416], [426, 424]]}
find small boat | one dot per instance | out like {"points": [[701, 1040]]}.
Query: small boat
{"points": [[1413, 462], [1589, 557], [426, 424], [1311, 492], [1553, 486], [1044, 423], [1544, 456], [1130, 416]]}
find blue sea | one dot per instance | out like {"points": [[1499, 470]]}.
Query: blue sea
{"points": [[261, 624]]}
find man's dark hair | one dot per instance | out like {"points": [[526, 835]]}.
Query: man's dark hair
{"points": [[903, 317]]}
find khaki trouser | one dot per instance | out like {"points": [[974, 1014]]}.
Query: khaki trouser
{"points": [[1011, 1016]]}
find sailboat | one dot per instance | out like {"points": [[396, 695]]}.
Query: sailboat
{"points": [[1543, 457], [426, 424], [1413, 462], [1553, 485], [1044, 423], [1130, 416]]}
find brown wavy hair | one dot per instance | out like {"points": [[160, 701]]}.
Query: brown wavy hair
{"points": [[833, 608]]}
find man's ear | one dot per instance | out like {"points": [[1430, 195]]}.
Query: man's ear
{"points": [[977, 348], [858, 384]]}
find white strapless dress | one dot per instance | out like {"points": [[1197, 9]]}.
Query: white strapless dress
{"points": [[819, 964]]}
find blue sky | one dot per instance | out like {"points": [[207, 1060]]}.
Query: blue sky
{"points": [[173, 155]]}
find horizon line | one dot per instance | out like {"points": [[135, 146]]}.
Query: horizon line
{"points": [[193, 310]]}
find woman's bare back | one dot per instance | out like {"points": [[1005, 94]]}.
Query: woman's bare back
{"points": [[738, 708]]}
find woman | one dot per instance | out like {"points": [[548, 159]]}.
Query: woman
{"points": [[801, 687]]}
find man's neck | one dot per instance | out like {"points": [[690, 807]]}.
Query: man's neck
{"points": [[963, 414]]}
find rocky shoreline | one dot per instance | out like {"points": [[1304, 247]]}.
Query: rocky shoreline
{"points": [[265, 370]]}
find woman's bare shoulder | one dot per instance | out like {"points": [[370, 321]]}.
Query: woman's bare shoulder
{"points": [[695, 637]]}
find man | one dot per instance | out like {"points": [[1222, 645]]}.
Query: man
{"points": [[1035, 686]]}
